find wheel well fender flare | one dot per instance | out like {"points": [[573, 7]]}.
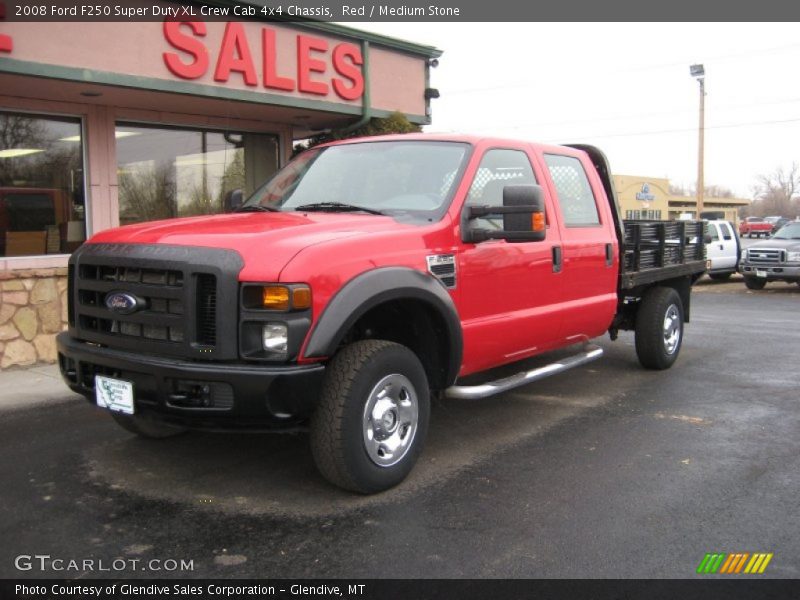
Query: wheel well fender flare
{"points": [[373, 288]]}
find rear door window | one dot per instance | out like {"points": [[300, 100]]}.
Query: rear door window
{"points": [[575, 196]]}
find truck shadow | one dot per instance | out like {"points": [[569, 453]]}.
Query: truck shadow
{"points": [[275, 474]]}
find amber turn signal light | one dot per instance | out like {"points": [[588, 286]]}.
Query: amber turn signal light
{"points": [[275, 297], [301, 298], [537, 221]]}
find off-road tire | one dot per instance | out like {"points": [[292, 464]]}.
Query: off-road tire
{"points": [[755, 283], [652, 346], [146, 427], [337, 433]]}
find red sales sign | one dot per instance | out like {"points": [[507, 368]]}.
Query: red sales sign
{"points": [[6, 43], [320, 68]]}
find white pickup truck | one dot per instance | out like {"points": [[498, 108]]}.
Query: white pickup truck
{"points": [[722, 249]]}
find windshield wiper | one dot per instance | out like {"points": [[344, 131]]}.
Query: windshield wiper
{"points": [[256, 208], [338, 207]]}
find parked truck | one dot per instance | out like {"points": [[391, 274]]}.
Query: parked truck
{"points": [[360, 280], [755, 226]]}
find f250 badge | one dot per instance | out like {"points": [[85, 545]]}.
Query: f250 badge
{"points": [[123, 303]]}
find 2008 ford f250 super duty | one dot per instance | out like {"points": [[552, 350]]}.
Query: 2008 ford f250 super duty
{"points": [[362, 278]]}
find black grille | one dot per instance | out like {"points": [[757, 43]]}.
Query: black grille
{"points": [[206, 310], [160, 292], [165, 300]]}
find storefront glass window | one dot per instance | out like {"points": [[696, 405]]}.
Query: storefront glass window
{"points": [[167, 172], [42, 204]]}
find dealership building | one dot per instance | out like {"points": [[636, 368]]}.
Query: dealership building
{"points": [[106, 124], [651, 198]]}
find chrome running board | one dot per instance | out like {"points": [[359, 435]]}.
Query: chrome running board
{"points": [[476, 392]]}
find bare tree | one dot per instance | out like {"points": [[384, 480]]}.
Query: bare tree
{"points": [[776, 193], [718, 191]]}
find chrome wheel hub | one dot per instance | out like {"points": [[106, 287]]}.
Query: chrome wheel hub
{"points": [[390, 420], [672, 329]]}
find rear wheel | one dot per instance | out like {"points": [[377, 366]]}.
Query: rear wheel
{"points": [[755, 283], [372, 418], [146, 427], [659, 328], [720, 276]]}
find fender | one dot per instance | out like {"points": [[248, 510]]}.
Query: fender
{"points": [[375, 287]]}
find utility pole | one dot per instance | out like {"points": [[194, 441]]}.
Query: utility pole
{"points": [[699, 73]]}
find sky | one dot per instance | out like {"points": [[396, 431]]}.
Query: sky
{"points": [[625, 88]]}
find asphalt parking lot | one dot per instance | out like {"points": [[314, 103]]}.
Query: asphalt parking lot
{"points": [[607, 471]]}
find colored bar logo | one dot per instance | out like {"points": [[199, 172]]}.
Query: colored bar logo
{"points": [[734, 563]]}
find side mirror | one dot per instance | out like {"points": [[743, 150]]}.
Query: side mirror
{"points": [[707, 238], [233, 200], [523, 215]]}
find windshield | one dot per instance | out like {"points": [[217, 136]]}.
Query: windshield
{"points": [[413, 178], [790, 231]]}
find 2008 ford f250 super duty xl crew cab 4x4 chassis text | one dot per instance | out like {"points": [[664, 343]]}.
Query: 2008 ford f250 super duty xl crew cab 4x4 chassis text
{"points": [[362, 278]]}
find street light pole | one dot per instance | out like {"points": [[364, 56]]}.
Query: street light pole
{"points": [[699, 73]]}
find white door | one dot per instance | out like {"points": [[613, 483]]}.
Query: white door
{"points": [[723, 249], [730, 245]]}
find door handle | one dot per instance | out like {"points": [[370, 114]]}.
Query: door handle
{"points": [[609, 255], [557, 258]]}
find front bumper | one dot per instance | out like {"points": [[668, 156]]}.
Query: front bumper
{"points": [[776, 272], [207, 395]]}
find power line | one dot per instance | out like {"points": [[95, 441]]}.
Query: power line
{"points": [[645, 68], [640, 133], [692, 129], [636, 115]]}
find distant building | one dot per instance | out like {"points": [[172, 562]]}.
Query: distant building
{"points": [[649, 198]]}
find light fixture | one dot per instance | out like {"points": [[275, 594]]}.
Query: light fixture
{"points": [[698, 71], [16, 152], [117, 135]]}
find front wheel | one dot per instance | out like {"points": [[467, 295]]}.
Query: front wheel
{"points": [[659, 328], [755, 283], [372, 418]]}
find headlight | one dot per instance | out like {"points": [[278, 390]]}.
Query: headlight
{"points": [[274, 319], [793, 256], [275, 337], [743, 255]]}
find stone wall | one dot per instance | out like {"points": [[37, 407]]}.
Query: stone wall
{"points": [[33, 309]]}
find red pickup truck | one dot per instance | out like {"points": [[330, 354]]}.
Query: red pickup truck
{"points": [[364, 277], [755, 226]]}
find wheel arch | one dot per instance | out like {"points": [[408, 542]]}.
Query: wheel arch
{"points": [[399, 304]]}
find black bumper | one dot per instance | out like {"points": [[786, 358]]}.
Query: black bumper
{"points": [[200, 395]]}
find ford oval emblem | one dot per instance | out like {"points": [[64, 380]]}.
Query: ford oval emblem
{"points": [[123, 303]]}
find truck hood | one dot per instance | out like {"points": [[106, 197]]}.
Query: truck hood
{"points": [[269, 239], [793, 245]]}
